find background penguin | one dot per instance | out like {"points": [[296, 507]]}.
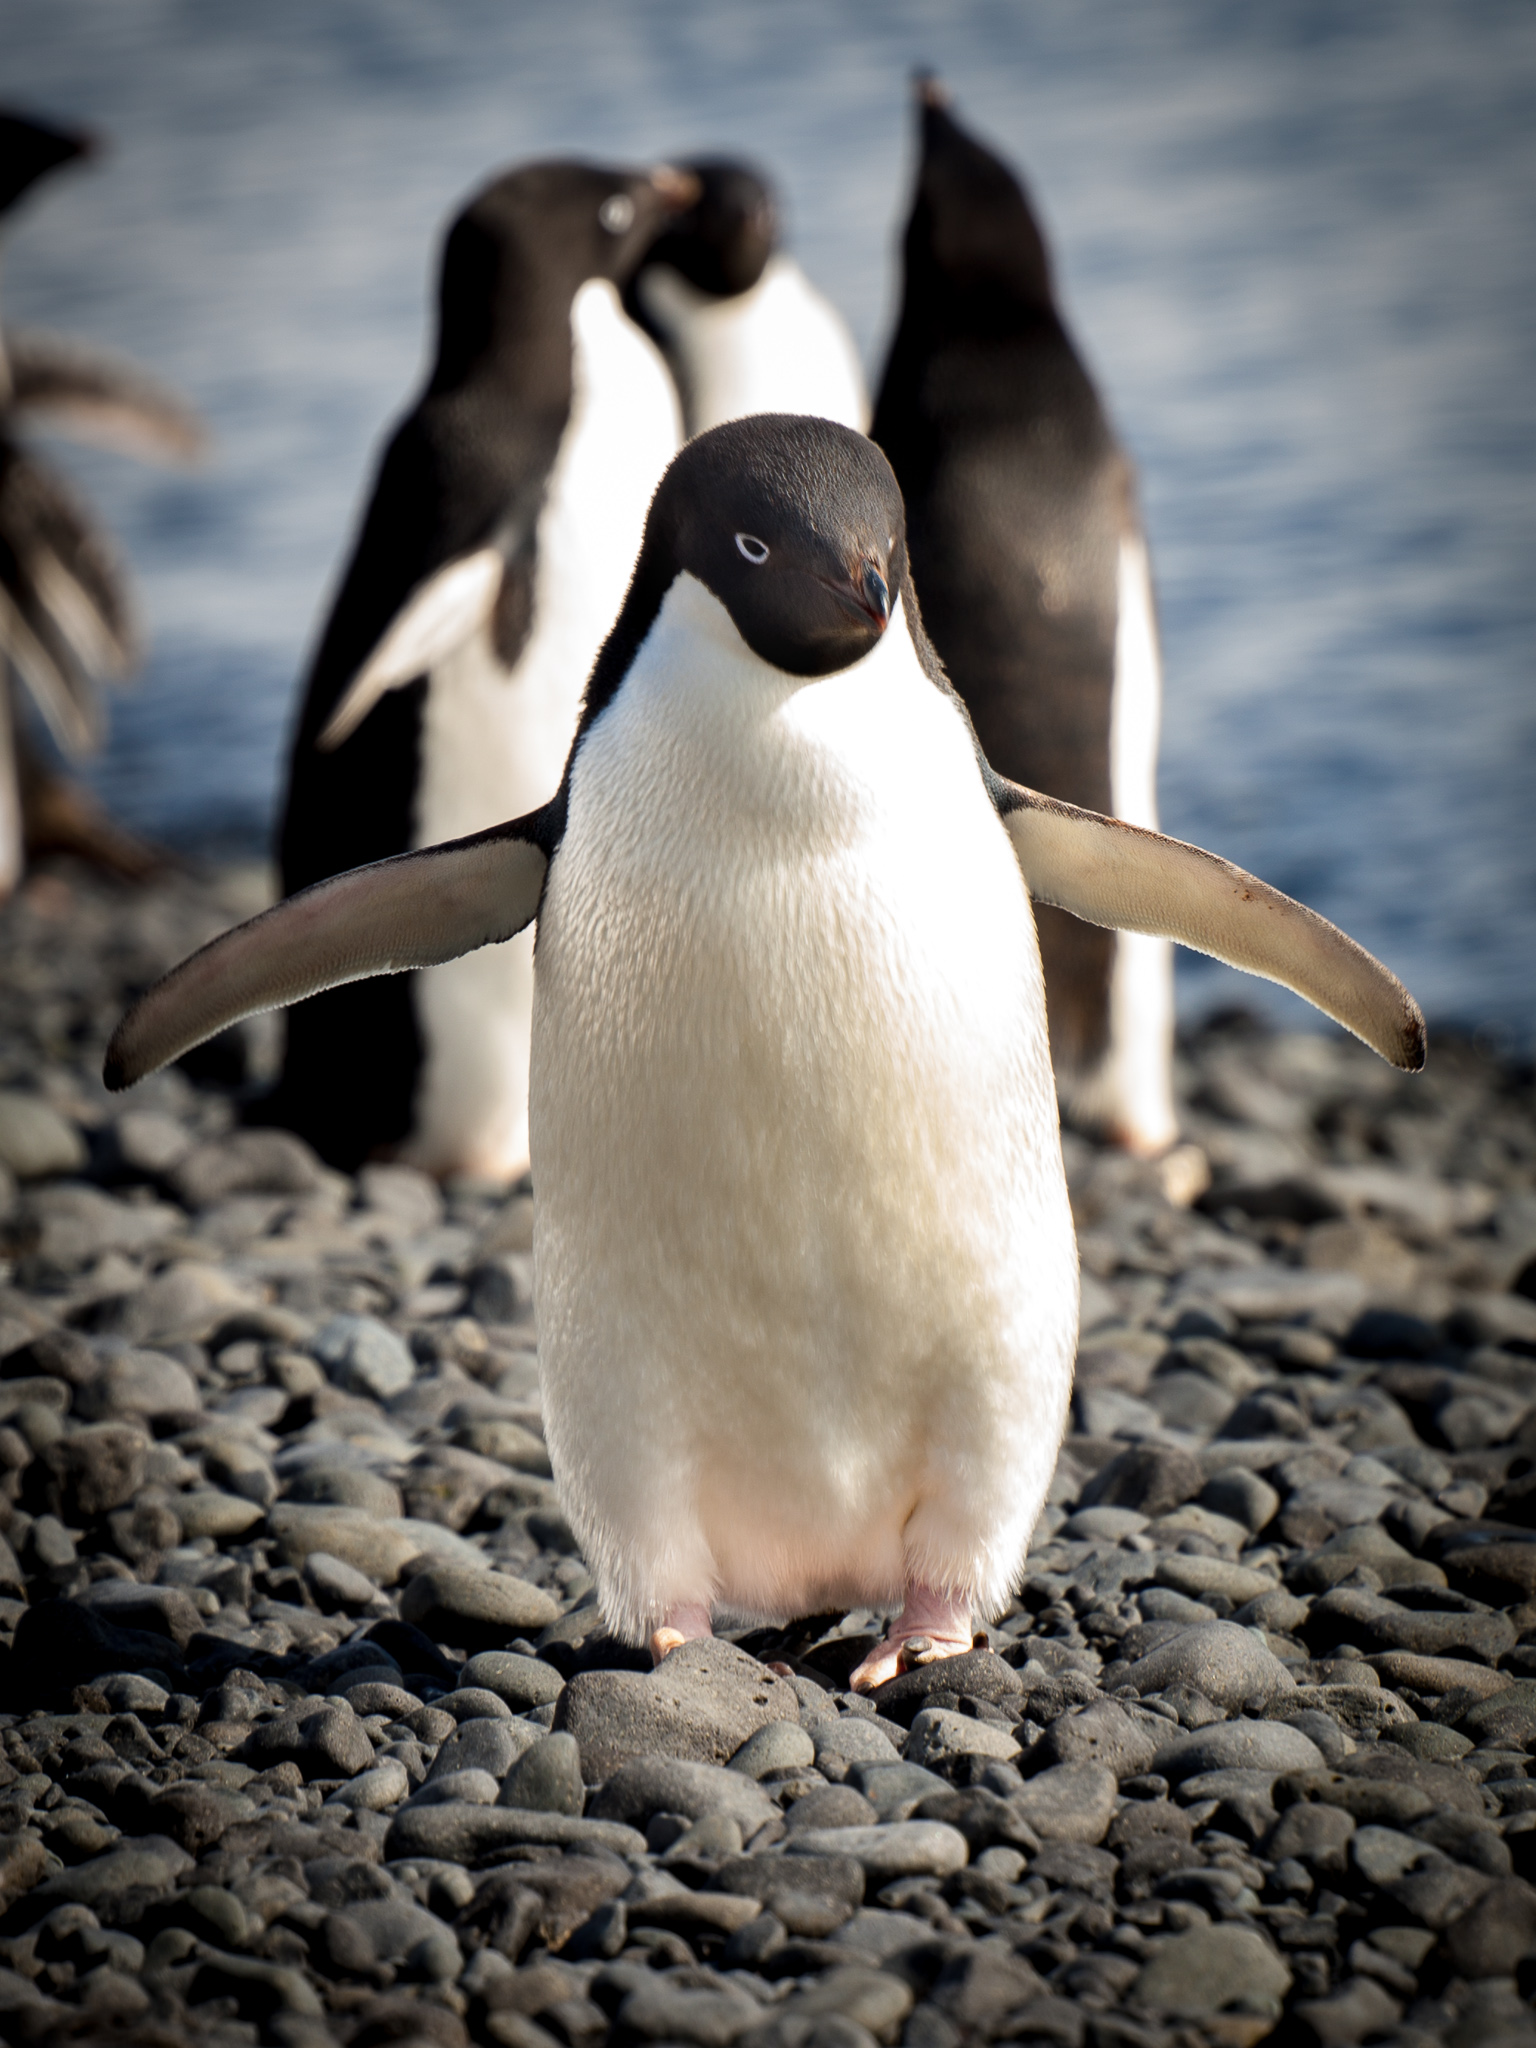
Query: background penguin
{"points": [[1028, 549], [807, 1287], [493, 556], [742, 326], [66, 614]]}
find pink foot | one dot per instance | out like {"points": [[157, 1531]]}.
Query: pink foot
{"points": [[689, 1624], [930, 1625]]}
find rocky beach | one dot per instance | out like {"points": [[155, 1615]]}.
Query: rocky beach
{"points": [[311, 1730]]}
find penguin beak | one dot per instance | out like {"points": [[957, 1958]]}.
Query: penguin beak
{"points": [[875, 595]]}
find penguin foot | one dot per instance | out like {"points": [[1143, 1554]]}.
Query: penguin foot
{"points": [[930, 1626], [682, 1625]]}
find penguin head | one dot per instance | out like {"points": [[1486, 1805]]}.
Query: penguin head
{"points": [[797, 527], [30, 149], [526, 243], [722, 243], [971, 233]]}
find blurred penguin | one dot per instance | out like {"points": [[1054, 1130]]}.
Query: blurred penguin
{"points": [[1028, 549], [742, 327], [493, 557], [66, 616]]}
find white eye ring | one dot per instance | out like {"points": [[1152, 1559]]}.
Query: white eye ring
{"points": [[751, 549], [617, 213]]}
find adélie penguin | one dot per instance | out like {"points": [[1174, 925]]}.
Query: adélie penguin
{"points": [[66, 612], [492, 560], [1028, 548], [804, 1263], [743, 328]]}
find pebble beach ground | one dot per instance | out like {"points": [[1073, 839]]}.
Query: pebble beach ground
{"points": [[311, 1731]]}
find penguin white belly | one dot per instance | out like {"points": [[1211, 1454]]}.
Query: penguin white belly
{"points": [[805, 1268], [779, 347], [494, 741]]}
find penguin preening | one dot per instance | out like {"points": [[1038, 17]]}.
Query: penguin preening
{"points": [[804, 1262], [1028, 548], [743, 328], [492, 560], [66, 613]]}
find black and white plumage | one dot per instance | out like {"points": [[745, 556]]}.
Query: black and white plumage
{"points": [[1028, 546], [805, 1271], [742, 327], [67, 619], [492, 559]]}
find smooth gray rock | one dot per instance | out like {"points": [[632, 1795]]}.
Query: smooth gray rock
{"points": [[1100, 1733], [1230, 1665], [484, 1745], [149, 1862], [831, 1806], [699, 1705], [903, 1848], [522, 1682], [894, 1788], [660, 2010], [1199, 1973], [396, 1931], [474, 1610], [1237, 1745], [1069, 1802], [468, 1787], [361, 1355], [940, 1735], [346, 1486], [247, 1162], [777, 1746], [1241, 1494], [876, 1935], [325, 1742], [660, 1784], [335, 1584], [139, 1383], [35, 1141], [547, 1777], [810, 1895], [1314, 1834], [462, 1833], [854, 1739], [1382, 1855]]}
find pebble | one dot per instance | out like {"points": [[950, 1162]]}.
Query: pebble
{"points": [[1069, 1802], [1210, 1969], [701, 1704], [474, 1610], [361, 1355], [547, 1777], [522, 1682], [902, 1848], [1228, 1664], [939, 1736], [1237, 1745]]}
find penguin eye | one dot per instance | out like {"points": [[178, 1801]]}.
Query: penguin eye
{"points": [[617, 213], [752, 549]]}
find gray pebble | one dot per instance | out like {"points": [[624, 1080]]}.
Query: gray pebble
{"points": [[1237, 1745], [700, 1704], [903, 1848], [1230, 1665], [777, 1746], [522, 1682], [547, 1777], [364, 1356]]}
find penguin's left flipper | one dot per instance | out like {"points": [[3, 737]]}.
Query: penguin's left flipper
{"points": [[439, 615], [102, 398], [1122, 876], [415, 910]]}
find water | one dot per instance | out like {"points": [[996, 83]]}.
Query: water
{"points": [[1298, 244]]}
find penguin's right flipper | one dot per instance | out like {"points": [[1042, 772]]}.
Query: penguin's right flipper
{"points": [[440, 614], [1127, 878], [415, 910], [100, 397]]}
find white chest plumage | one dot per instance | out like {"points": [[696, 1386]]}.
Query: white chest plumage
{"points": [[779, 347], [806, 1275], [494, 741]]}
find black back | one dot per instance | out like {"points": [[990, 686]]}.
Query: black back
{"points": [[468, 466], [1017, 496], [30, 149]]}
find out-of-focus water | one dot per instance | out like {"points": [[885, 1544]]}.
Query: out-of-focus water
{"points": [[1298, 242]]}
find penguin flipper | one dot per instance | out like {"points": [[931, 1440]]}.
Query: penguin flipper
{"points": [[101, 398], [440, 614], [415, 910], [1129, 879]]}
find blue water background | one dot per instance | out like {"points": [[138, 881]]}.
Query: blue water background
{"points": [[1297, 243]]}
